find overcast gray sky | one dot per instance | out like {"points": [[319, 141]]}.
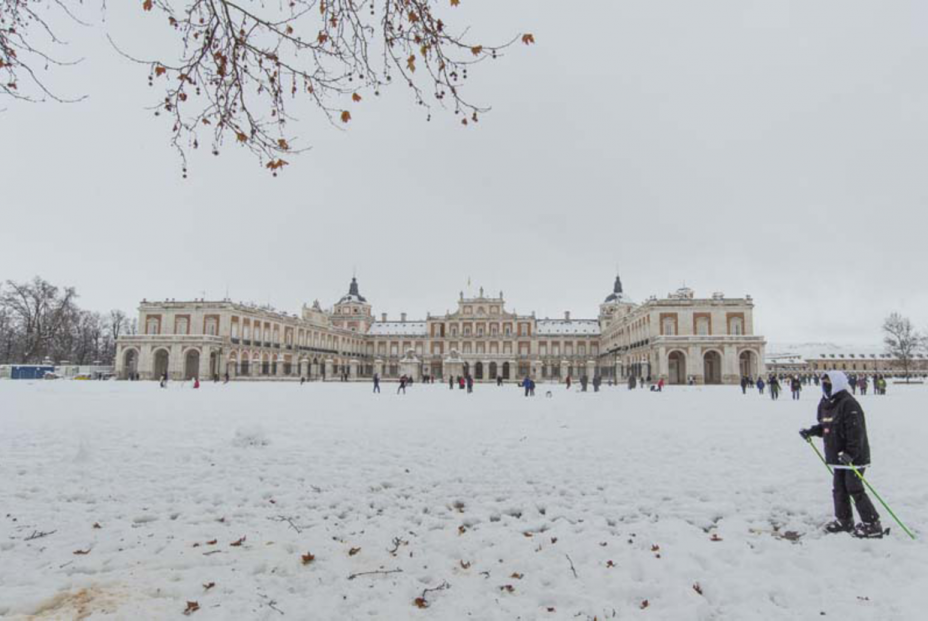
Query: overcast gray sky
{"points": [[776, 148]]}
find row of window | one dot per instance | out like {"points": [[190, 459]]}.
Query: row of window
{"points": [[494, 329]]}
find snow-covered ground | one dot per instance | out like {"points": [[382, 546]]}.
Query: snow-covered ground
{"points": [[486, 506]]}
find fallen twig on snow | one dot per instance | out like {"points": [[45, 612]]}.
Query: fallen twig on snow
{"points": [[377, 572], [288, 520], [397, 542], [36, 534], [572, 568]]}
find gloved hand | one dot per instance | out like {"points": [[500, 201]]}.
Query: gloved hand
{"points": [[805, 433], [845, 459]]}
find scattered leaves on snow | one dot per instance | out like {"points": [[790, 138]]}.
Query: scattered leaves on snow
{"points": [[191, 608]]}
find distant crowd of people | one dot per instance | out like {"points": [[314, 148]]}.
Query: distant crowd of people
{"points": [[773, 383]]}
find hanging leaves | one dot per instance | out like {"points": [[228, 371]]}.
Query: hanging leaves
{"points": [[240, 65]]}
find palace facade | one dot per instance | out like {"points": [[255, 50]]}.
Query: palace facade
{"points": [[681, 338]]}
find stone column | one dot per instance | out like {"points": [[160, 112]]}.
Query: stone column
{"points": [[694, 364], [353, 369], [330, 370], [536, 369], [146, 363], [564, 366], [176, 363], [378, 367], [663, 368], [730, 371], [203, 371]]}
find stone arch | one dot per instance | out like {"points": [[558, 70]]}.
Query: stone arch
{"points": [[507, 371], [712, 367], [161, 362], [478, 370], [265, 365], [191, 363], [747, 363], [676, 367], [494, 371], [130, 363]]}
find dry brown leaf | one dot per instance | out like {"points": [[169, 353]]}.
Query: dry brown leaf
{"points": [[191, 608]]}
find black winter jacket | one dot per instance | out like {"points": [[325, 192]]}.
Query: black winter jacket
{"points": [[842, 424]]}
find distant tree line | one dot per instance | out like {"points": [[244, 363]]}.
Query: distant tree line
{"points": [[39, 321]]}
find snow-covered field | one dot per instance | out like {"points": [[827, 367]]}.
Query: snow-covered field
{"points": [[483, 506]]}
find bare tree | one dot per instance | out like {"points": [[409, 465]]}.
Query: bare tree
{"points": [[902, 340], [244, 66], [39, 309], [117, 323]]}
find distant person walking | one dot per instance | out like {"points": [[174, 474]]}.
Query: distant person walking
{"points": [[402, 385], [376, 383], [774, 388]]}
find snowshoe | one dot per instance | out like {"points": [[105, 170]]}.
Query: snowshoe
{"points": [[873, 530], [839, 526]]}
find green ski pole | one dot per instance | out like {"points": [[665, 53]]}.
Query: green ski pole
{"points": [[817, 452], [861, 477]]}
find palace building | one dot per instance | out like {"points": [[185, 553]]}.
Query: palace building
{"points": [[682, 338]]}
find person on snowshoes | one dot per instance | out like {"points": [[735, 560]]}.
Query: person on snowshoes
{"points": [[842, 426]]}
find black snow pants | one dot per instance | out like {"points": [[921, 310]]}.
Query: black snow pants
{"points": [[848, 485]]}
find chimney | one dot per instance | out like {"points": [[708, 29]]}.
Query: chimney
{"points": [[402, 316], [383, 317], [566, 315]]}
